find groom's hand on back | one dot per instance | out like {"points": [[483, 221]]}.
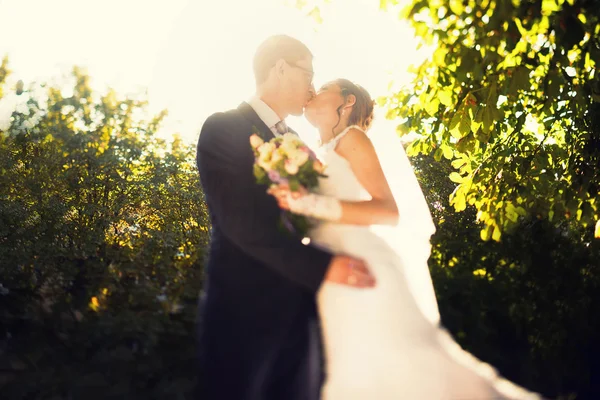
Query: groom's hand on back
{"points": [[349, 271]]}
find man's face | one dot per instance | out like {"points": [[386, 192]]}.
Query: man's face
{"points": [[297, 85]]}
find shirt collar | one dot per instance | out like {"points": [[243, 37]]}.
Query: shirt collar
{"points": [[265, 113]]}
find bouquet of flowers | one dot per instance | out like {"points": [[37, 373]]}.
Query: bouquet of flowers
{"points": [[287, 160]]}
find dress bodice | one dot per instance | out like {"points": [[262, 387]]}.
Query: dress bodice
{"points": [[341, 182]]}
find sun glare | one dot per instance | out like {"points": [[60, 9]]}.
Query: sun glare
{"points": [[194, 57]]}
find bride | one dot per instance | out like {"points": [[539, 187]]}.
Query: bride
{"points": [[383, 343]]}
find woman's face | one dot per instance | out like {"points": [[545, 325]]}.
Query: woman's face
{"points": [[322, 110]]}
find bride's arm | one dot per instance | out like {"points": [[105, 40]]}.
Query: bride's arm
{"points": [[380, 210], [358, 149]]}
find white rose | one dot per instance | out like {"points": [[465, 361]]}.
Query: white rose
{"points": [[290, 137], [300, 157], [291, 167], [288, 148]]}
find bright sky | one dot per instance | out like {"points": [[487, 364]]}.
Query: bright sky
{"points": [[194, 56]]}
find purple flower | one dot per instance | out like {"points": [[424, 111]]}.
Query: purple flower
{"points": [[274, 176]]}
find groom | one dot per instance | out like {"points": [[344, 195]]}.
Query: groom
{"points": [[259, 336]]}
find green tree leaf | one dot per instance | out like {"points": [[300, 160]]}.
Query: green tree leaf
{"points": [[445, 97], [486, 233], [456, 178], [448, 153], [432, 107]]}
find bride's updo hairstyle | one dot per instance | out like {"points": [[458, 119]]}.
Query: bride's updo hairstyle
{"points": [[362, 110]]}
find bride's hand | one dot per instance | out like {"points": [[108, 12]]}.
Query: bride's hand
{"points": [[282, 191]]}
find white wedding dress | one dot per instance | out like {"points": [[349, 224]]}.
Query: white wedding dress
{"points": [[378, 344]]}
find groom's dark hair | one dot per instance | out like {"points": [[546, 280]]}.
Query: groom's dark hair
{"points": [[275, 48]]}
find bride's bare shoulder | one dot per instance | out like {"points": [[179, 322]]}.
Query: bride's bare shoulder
{"points": [[354, 141]]}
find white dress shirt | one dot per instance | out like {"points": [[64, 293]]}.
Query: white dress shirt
{"points": [[265, 113]]}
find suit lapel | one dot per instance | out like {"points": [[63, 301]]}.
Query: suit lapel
{"points": [[248, 112]]}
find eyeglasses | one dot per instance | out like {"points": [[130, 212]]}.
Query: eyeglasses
{"points": [[310, 73]]}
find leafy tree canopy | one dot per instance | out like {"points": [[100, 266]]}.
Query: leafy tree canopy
{"points": [[511, 95]]}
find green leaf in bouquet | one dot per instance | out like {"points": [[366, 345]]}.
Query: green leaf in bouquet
{"points": [[294, 184], [259, 173], [279, 166]]}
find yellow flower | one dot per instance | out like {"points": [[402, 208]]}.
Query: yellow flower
{"points": [[267, 166], [288, 148], [277, 156], [265, 150]]}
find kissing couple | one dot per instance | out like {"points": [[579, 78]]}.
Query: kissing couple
{"points": [[334, 319]]}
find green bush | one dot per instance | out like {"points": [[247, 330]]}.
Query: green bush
{"points": [[102, 231], [527, 304]]}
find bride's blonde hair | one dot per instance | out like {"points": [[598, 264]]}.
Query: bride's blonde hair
{"points": [[363, 108]]}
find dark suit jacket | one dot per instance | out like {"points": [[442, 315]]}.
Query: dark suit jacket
{"points": [[260, 283]]}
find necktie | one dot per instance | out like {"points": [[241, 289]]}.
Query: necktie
{"points": [[281, 127]]}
